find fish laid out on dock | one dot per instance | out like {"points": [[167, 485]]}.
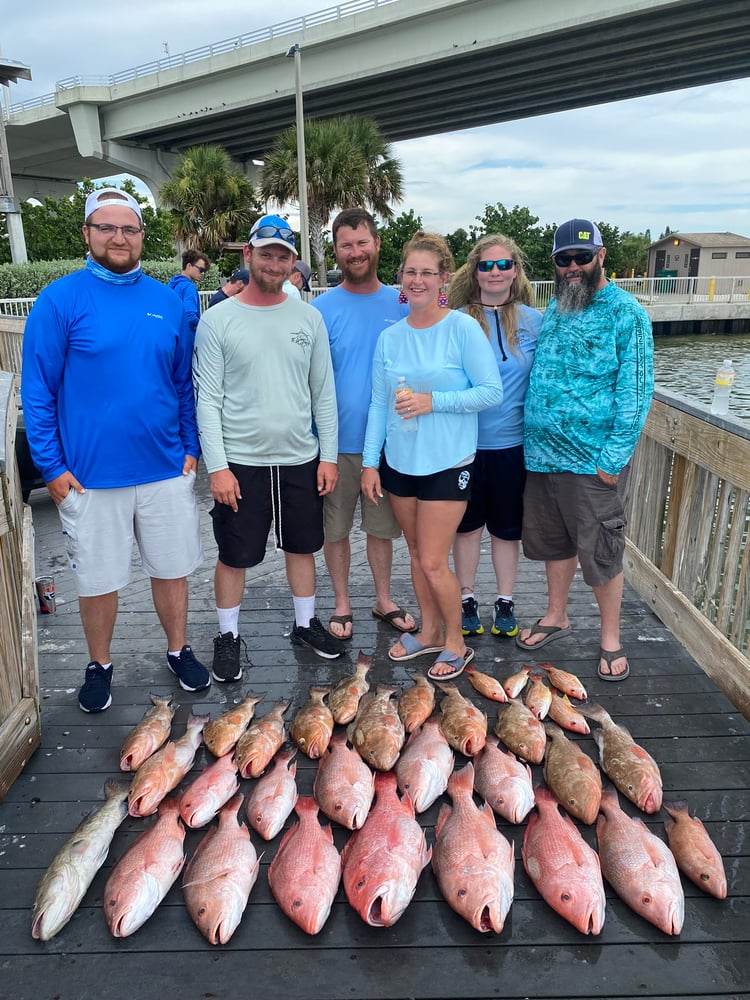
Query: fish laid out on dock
{"points": [[344, 785], [639, 866], [562, 712], [632, 770], [416, 703], [473, 862], [565, 682], [538, 696], [212, 789], [220, 875], [425, 764], [504, 782], [485, 684], [382, 862], [571, 776], [261, 740], [145, 873], [305, 873], [221, 735], [163, 771], [696, 854], [345, 697], [564, 869], [521, 731], [377, 732], [64, 884], [464, 725], [514, 685], [312, 727], [149, 734], [273, 796]]}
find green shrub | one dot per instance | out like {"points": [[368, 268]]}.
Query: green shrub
{"points": [[23, 281]]}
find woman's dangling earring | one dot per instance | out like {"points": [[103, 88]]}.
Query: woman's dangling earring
{"points": [[402, 297], [443, 299]]}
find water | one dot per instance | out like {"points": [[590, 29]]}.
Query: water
{"points": [[687, 365]]}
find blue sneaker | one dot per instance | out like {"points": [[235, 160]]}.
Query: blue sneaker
{"points": [[94, 696], [470, 623], [191, 674], [505, 621]]}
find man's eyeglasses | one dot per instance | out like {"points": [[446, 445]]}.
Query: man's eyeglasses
{"points": [[505, 264], [269, 232], [129, 232], [566, 259], [410, 272]]}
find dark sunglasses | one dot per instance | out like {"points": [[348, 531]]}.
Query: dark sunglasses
{"points": [[566, 259], [485, 266], [269, 232], [199, 268]]}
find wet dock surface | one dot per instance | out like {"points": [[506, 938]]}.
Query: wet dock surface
{"points": [[700, 741]]}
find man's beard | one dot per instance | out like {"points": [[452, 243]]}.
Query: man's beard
{"points": [[575, 296], [361, 277]]}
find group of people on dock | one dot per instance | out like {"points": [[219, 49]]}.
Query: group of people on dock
{"points": [[443, 408]]}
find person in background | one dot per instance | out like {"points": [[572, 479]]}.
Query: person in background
{"points": [[435, 369], [234, 283], [194, 266], [589, 395], [355, 312], [493, 288], [262, 369], [110, 419], [298, 281]]}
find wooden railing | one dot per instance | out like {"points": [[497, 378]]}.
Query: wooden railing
{"points": [[688, 505]]}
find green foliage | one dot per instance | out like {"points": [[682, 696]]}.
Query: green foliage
{"points": [[518, 223], [460, 244], [22, 281], [393, 234]]}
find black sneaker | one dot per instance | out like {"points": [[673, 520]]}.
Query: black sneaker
{"points": [[191, 674], [94, 696], [226, 665], [318, 638]]}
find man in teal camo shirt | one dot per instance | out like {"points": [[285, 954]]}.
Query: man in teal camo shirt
{"points": [[589, 395]]}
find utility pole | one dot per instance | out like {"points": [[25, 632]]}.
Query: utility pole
{"points": [[10, 72], [304, 224]]}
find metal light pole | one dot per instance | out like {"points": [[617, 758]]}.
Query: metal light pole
{"points": [[11, 71], [304, 225]]}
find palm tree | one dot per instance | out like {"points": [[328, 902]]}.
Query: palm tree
{"points": [[211, 201], [348, 163]]}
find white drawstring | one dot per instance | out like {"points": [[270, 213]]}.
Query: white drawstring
{"points": [[278, 540]]}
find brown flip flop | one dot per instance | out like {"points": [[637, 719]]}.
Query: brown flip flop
{"points": [[341, 620], [390, 619]]}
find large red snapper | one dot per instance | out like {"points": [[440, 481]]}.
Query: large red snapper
{"points": [[472, 860], [145, 873], [260, 741], [312, 727], [639, 866], [377, 732], [464, 725], [425, 764], [521, 732], [73, 868], [220, 875], [213, 787], [382, 861], [562, 712], [344, 699], [415, 703], [503, 782], [273, 796], [221, 735], [562, 866], [163, 771], [571, 776], [485, 684], [150, 733], [344, 785], [694, 851], [306, 871], [628, 766]]}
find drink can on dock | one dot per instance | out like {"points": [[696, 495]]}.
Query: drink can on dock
{"points": [[45, 589]]}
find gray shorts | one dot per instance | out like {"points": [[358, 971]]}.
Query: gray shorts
{"points": [[100, 527], [566, 514], [338, 507]]}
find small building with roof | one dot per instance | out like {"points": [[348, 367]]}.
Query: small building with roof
{"points": [[700, 255]]}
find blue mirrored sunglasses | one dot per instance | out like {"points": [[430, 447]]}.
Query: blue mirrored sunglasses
{"points": [[271, 232], [505, 264]]}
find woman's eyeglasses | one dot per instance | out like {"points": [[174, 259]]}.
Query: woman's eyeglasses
{"points": [[505, 264], [566, 259]]}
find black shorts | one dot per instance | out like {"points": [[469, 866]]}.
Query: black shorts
{"points": [[497, 493], [283, 495], [449, 484]]}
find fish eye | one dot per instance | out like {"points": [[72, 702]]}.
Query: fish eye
{"points": [[201, 911], [631, 788], [646, 899], [361, 883], [571, 802], [297, 904], [461, 893], [565, 897]]}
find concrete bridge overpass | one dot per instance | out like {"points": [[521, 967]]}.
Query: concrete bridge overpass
{"points": [[419, 67]]}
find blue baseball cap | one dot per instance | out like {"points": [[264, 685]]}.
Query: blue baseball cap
{"points": [[577, 234], [270, 229]]}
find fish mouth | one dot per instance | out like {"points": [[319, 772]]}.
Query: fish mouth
{"points": [[593, 922], [651, 800], [488, 918], [378, 912]]}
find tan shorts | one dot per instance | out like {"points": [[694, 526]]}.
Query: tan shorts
{"points": [[100, 527], [339, 506]]}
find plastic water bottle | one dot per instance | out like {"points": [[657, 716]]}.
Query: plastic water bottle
{"points": [[722, 388], [402, 389]]}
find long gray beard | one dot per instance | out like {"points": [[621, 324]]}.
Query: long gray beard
{"points": [[576, 296]]}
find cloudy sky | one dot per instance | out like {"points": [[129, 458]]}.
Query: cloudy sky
{"points": [[678, 159]]}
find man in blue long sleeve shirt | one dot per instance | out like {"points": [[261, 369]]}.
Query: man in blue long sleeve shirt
{"points": [[589, 395], [194, 266], [110, 419]]}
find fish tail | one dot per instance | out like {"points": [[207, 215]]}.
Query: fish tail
{"points": [[462, 782], [676, 808]]}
